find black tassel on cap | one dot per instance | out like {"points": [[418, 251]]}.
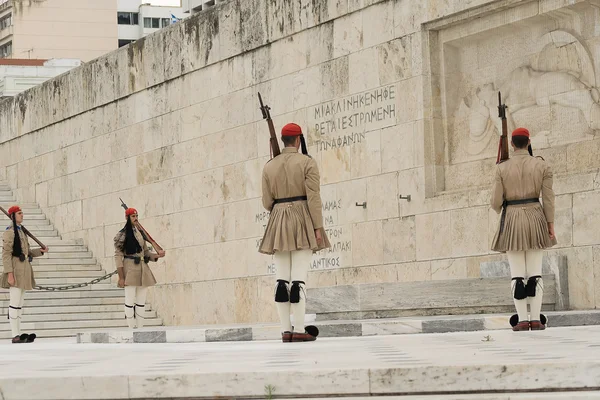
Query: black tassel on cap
{"points": [[295, 291], [520, 292], [530, 150], [281, 293], [303, 145], [532, 285]]}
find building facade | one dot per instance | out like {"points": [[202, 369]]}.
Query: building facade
{"points": [[137, 18], [195, 6], [45, 29], [18, 75]]}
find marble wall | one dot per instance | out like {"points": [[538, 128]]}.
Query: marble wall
{"points": [[397, 99]]}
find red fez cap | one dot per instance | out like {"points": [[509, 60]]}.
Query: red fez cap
{"points": [[291, 130], [521, 132], [130, 211], [13, 210]]}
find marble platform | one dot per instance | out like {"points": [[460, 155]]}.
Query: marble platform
{"points": [[402, 299], [349, 328], [490, 365]]}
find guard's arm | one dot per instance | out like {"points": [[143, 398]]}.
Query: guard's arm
{"points": [[267, 197], [497, 197], [548, 194], [312, 185]]}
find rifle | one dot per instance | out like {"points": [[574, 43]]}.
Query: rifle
{"points": [[267, 115], [503, 144], [144, 231], [42, 245]]}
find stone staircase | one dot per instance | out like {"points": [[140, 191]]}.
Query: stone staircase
{"points": [[63, 313]]}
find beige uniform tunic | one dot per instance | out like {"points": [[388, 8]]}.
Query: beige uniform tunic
{"points": [[292, 225], [135, 274], [526, 225], [22, 270]]}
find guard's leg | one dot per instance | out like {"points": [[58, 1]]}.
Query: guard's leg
{"points": [[300, 263], [129, 304], [283, 261], [516, 259], [140, 303], [535, 286], [14, 310]]}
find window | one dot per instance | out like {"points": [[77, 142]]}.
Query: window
{"points": [[125, 42], [5, 22], [127, 18], [6, 50], [156, 23]]}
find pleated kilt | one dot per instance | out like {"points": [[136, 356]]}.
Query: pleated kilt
{"points": [[525, 228], [290, 228]]}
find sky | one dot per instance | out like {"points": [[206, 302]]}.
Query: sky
{"points": [[165, 2]]}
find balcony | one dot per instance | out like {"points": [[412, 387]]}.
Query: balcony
{"points": [[6, 33]]}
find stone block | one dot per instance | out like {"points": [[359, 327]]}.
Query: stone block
{"points": [[395, 60], [399, 327], [409, 106], [382, 197], [359, 275], [99, 337], [449, 269], [321, 40], [434, 233], [367, 243], [229, 335], [470, 231], [383, 30], [399, 240], [596, 261], [347, 34], [337, 330], [443, 326], [414, 271], [332, 299], [363, 70], [150, 337], [408, 17], [580, 275], [586, 218]]}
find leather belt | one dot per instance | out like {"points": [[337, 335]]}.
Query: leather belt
{"points": [[290, 199]]}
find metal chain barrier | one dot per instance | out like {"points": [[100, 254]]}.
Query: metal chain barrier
{"points": [[75, 286]]}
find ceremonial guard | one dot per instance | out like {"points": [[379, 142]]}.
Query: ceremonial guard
{"points": [[291, 192], [18, 274], [526, 226], [131, 257]]}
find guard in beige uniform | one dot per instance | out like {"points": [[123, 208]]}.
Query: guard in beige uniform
{"points": [[131, 257], [291, 192], [526, 226], [18, 274]]}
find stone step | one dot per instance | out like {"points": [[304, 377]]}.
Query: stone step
{"points": [[32, 223], [27, 209], [62, 281], [88, 275], [42, 233], [56, 241], [82, 267], [39, 228], [349, 328], [34, 218], [77, 317], [40, 327], [66, 294], [58, 248], [58, 309], [63, 261], [58, 302], [402, 299]]}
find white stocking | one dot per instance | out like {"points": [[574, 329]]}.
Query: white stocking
{"points": [[140, 303], [516, 259], [129, 304], [300, 264]]}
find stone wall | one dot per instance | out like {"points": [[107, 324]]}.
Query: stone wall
{"points": [[397, 97]]}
